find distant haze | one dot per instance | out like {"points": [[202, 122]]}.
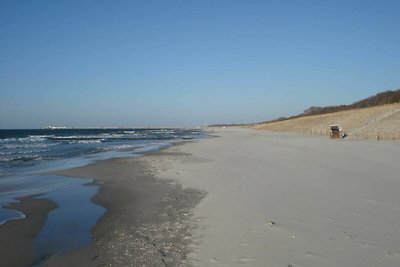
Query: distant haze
{"points": [[190, 63]]}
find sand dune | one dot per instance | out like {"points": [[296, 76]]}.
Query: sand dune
{"points": [[367, 123]]}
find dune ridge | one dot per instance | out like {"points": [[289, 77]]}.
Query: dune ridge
{"points": [[379, 122]]}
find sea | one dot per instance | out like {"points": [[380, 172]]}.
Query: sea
{"points": [[27, 155]]}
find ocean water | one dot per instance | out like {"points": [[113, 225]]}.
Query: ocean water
{"points": [[25, 155], [21, 148]]}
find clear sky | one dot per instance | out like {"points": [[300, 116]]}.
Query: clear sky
{"points": [[187, 63]]}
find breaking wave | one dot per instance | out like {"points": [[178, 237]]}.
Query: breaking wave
{"points": [[19, 147]]}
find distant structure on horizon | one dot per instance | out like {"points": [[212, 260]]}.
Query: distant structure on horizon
{"points": [[56, 127]]}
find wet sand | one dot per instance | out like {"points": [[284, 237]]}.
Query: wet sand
{"points": [[16, 236], [149, 220]]}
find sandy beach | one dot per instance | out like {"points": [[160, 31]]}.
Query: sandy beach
{"points": [[148, 220], [247, 198], [277, 199], [198, 133]]}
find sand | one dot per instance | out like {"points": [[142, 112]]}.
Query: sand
{"points": [[290, 200], [148, 220], [381, 122], [248, 198], [16, 236]]}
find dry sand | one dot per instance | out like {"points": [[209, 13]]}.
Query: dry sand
{"points": [[290, 200], [366, 123]]}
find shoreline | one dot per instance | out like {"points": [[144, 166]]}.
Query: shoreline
{"points": [[246, 198], [144, 207], [148, 220], [17, 235]]}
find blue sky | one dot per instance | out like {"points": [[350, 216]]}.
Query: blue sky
{"points": [[187, 63]]}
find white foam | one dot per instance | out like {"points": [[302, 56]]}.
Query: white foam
{"points": [[129, 132], [18, 215], [86, 141]]}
